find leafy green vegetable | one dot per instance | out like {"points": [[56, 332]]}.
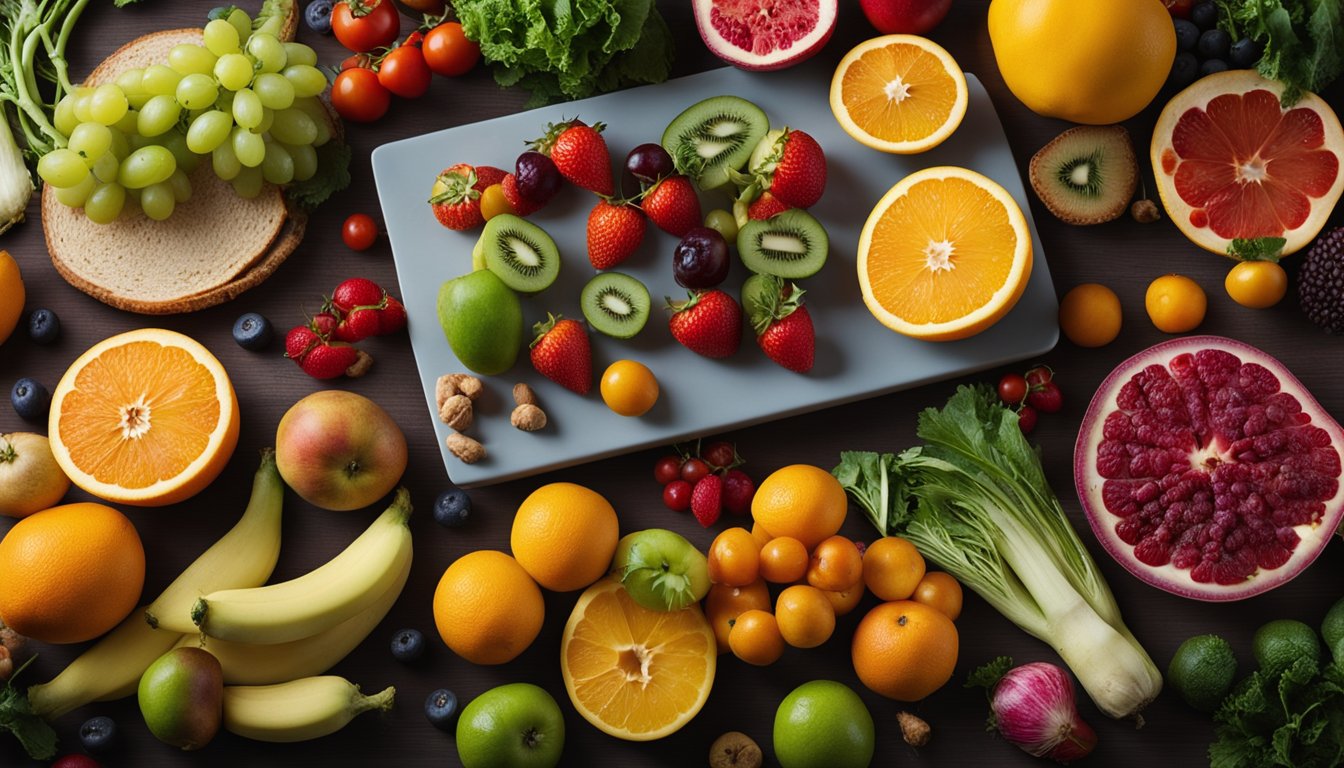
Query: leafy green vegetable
{"points": [[333, 175], [17, 717], [1290, 719], [569, 49], [1257, 248], [989, 674], [1302, 40]]}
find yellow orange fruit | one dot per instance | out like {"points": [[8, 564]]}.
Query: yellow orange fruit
{"points": [[892, 568], [1175, 303], [836, 565], [70, 573], [1089, 315], [734, 558], [805, 615], [756, 639], [723, 604], [486, 608], [845, 600], [633, 673], [945, 254], [899, 93], [564, 536], [802, 502], [761, 535], [629, 388], [904, 650], [1097, 63], [940, 590], [12, 295], [147, 417], [784, 560]]}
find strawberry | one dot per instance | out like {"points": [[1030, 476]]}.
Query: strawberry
{"points": [[615, 231], [328, 361], [795, 169], [580, 154], [489, 175], [738, 490], [324, 324], [359, 324], [765, 206], [523, 206], [707, 500], [784, 327], [299, 340], [456, 195], [356, 292], [708, 323], [391, 318], [1026, 419], [672, 205], [560, 352], [1046, 397]]}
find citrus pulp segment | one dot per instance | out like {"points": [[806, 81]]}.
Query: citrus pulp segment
{"points": [[944, 254], [147, 417], [633, 673], [899, 93]]}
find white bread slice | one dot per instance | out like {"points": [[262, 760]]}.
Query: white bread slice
{"points": [[213, 247]]}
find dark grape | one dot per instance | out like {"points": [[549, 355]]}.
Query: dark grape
{"points": [[538, 179], [1212, 66], [1184, 70], [649, 162], [700, 259], [1245, 53], [1205, 16], [1187, 35]]}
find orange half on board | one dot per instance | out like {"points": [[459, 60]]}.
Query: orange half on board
{"points": [[944, 255], [147, 417], [899, 93]]}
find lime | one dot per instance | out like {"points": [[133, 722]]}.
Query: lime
{"points": [[1202, 671], [1279, 643], [823, 724], [1332, 629]]}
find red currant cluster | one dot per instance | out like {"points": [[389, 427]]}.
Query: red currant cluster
{"points": [[706, 481], [1034, 393]]}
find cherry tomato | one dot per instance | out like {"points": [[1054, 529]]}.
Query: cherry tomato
{"points": [[356, 61], [415, 38], [677, 495], [1012, 389], [667, 469], [1256, 284], [1179, 9], [363, 25], [404, 72], [719, 454], [940, 591], [357, 95], [448, 51], [1175, 303], [359, 232], [693, 470], [1040, 376], [1026, 419], [836, 565]]}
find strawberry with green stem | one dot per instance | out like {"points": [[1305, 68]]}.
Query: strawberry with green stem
{"points": [[783, 325], [561, 352], [708, 323], [580, 154], [672, 205], [455, 197], [790, 165], [615, 230]]}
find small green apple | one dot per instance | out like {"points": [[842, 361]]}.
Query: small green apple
{"points": [[823, 724], [661, 570], [513, 726]]}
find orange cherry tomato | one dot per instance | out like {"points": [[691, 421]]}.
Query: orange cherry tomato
{"points": [[939, 590], [724, 604], [756, 638]]}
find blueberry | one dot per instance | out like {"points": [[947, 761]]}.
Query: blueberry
{"points": [[408, 646], [1184, 70], [31, 400], [1214, 44], [452, 508], [1204, 15], [1187, 34], [44, 327], [441, 709], [98, 735], [1211, 66], [252, 332], [318, 16], [1245, 53]]}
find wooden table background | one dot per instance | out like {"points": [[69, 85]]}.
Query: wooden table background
{"points": [[1122, 254]]}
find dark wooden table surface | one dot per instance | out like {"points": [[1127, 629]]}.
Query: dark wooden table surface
{"points": [[1122, 254]]}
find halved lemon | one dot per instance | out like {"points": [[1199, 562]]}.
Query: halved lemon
{"points": [[633, 673], [146, 417], [899, 93], [944, 255]]}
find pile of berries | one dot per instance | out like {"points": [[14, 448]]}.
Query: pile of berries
{"points": [[1202, 47], [706, 481], [357, 309], [1031, 395]]}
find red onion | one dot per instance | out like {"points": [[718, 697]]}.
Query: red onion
{"points": [[1034, 708]]}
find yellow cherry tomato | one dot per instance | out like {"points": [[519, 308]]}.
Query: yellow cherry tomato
{"points": [[629, 388], [1089, 315], [1175, 303], [1256, 284], [493, 202]]}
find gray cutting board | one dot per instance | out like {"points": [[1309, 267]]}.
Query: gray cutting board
{"points": [[856, 356]]}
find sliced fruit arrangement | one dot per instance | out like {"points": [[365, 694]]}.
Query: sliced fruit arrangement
{"points": [[1087, 174], [1208, 470]]}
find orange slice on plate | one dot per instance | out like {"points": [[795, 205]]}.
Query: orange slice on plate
{"points": [[147, 417], [633, 673], [899, 93], [944, 255]]}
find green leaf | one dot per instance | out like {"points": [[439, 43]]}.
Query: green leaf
{"points": [[17, 717], [1257, 248], [989, 674], [333, 175]]}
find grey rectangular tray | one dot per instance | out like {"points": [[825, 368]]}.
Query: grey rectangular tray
{"points": [[856, 356]]}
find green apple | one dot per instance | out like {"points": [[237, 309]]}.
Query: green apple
{"points": [[661, 570], [823, 724], [181, 696], [513, 726], [482, 320]]}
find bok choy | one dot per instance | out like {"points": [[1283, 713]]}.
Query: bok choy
{"points": [[975, 500]]}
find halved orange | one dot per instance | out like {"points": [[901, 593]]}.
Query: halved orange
{"points": [[147, 417], [944, 255], [633, 673], [899, 93]]}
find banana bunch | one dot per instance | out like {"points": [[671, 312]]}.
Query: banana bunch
{"points": [[303, 709]]}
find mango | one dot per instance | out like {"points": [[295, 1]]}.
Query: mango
{"points": [[182, 697]]}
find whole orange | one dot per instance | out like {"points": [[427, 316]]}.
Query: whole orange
{"points": [[724, 604], [904, 650], [564, 536], [800, 501], [486, 608], [70, 573]]}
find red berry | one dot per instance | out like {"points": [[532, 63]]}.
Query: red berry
{"points": [[358, 325], [299, 340], [862, 546], [693, 470], [738, 490], [707, 500], [1012, 389], [76, 761], [324, 323], [720, 454], [1039, 376], [357, 292], [391, 318], [1046, 398], [677, 495], [359, 231], [1026, 419], [667, 469]]}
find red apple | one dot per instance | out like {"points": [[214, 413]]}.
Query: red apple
{"points": [[339, 450], [909, 17]]}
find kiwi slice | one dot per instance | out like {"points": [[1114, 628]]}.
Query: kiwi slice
{"points": [[714, 136], [791, 244], [1087, 174], [615, 304], [520, 253]]}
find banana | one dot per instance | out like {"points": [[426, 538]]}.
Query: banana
{"points": [[112, 667], [247, 664], [320, 599], [299, 710]]}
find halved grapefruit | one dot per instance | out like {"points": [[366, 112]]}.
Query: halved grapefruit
{"points": [[1232, 163]]}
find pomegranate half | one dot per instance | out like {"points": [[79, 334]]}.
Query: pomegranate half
{"points": [[1207, 470], [765, 34]]}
